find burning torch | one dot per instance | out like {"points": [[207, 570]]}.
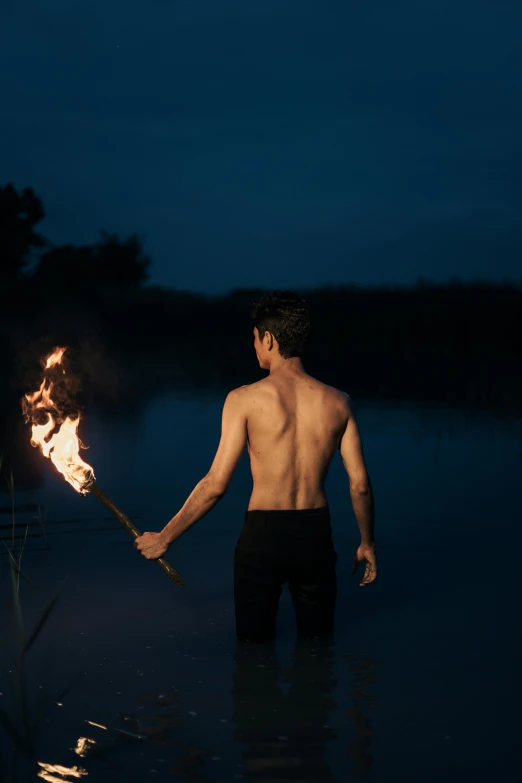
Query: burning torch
{"points": [[56, 434]]}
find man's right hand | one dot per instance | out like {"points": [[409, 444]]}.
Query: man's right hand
{"points": [[366, 554]]}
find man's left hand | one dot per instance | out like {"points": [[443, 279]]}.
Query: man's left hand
{"points": [[151, 545]]}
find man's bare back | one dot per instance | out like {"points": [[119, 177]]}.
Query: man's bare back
{"points": [[294, 425]]}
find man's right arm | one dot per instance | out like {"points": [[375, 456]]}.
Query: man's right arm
{"points": [[361, 491]]}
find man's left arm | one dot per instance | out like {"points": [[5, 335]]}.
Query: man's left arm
{"points": [[213, 486]]}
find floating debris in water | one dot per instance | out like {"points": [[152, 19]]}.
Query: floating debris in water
{"points": [[192, 713]]}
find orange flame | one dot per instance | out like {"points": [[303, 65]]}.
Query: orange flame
{"points": [[55, 357], [63, 446]]}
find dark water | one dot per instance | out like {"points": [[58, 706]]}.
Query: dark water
{"points": [[421, 680]]}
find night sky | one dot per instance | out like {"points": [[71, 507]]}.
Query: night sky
{"points": [[272, 143]]}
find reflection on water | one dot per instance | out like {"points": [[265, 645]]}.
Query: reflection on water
{"points": [[163, 687], [363, 675], [282, 717], [65, 773], [84, 746], [284, 734], [160, 725]]}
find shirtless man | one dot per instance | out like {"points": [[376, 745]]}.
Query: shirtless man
{"points": [[292, 424]]}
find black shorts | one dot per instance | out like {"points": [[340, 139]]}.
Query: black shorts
{"points": [[285, 546]]}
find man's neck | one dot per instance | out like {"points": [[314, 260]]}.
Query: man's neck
{"points": [[292, 366]]}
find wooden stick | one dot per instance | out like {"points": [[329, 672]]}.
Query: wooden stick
{"points": [[133, 530]]}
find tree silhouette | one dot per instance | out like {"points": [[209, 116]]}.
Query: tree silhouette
{"points": [[18, 216], [120, 263], [110, 262], [65, 266]]}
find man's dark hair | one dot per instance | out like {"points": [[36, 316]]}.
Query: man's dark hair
{"points": [[285, 315]]}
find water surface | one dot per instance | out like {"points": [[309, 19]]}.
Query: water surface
{"points": [[420, 680]]}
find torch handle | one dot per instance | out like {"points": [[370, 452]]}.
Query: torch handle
{"points": [[133, 530]]}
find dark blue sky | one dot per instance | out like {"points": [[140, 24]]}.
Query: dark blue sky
{"points": [[273, 143]]}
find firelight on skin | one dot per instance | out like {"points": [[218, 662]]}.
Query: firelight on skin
{"points": [[234, 438]]}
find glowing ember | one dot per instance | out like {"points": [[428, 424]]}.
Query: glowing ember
{"points": [[55, 433]]}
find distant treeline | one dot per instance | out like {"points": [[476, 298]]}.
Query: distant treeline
{"points": [[455, 343]]}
